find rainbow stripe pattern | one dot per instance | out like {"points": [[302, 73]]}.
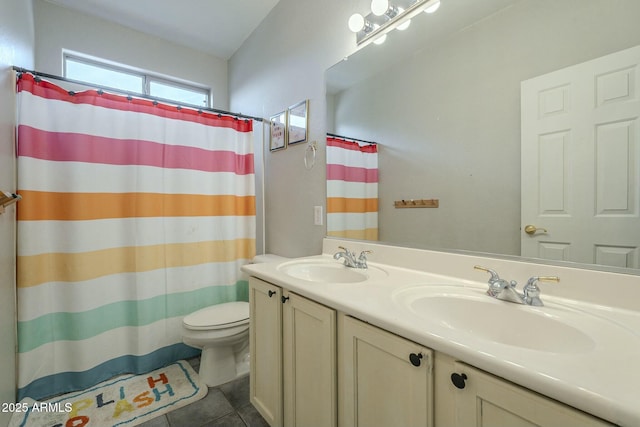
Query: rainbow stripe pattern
{"points": [[133, 215], [352, 189]]}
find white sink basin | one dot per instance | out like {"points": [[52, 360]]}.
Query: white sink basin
{"points": [[329, 271], [470, 311]]}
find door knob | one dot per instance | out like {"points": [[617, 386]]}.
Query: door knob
{"points": [[531, 229]]}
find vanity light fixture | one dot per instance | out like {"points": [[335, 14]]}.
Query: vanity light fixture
{"points": [[386, 16], [380, 39], [358, 23], [404, 25], [379, 7], [433, 7]]}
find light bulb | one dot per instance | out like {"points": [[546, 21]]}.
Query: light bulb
{"points": [[356, 22], [379, 7], [380, 39], [404, 25], [433, 7]]}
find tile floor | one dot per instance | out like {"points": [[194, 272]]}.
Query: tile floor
{"points": [[225, 406]]}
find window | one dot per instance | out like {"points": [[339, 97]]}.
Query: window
{"points": [[95, 72]]}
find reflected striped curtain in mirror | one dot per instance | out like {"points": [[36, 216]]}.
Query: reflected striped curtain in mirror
{"points": [[352, 189]]}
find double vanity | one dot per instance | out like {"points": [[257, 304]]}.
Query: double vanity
{"points": [[412, 337]]}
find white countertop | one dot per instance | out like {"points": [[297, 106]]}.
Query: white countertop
{"points": [[601, 380]]}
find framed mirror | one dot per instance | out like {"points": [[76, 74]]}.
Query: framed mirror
{"points": [[298, 120]]}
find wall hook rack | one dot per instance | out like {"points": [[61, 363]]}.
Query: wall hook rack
{"points": [[7, 198], [417, 203]]}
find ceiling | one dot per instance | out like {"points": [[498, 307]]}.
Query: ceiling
{"points": [[218, 27]]}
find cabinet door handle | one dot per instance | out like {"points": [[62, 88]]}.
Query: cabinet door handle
{"points": [[271, 293], [284, 299], [458, 380], [415, 359]]}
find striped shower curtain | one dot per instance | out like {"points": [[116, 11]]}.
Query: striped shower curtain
{"points": [[133, 215], [352, 189]]}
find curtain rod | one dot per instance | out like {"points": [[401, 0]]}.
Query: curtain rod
{"points": [[352, 139], [137, 95]]}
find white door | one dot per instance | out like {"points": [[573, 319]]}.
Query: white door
{"points": [[580, 162]]}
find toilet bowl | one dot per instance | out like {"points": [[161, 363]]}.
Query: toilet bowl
{"points": [[222, 332]]}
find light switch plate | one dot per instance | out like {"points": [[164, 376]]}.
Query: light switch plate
{"points": [[317, 215]]}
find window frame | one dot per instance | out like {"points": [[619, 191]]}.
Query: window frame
{"points": [[146, 77]]}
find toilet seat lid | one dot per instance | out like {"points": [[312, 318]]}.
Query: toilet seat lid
{"points": [[218, 316]]}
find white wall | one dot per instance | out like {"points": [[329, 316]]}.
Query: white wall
{"points": [[59, 28], [283, 62], [16, 48]]}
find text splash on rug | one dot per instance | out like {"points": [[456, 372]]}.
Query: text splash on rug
{"points": [[126, 400]]}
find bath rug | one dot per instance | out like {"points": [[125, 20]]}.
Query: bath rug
{"points": [[126, 400]]}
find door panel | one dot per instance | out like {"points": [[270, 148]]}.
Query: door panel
{"points": [[379, 384], [488, 401], [265, 325], [309, 363], [580, 162]]}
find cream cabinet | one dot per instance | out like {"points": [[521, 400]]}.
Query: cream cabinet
{"points": [[265, 346], [484, 400], [309, 356], [311, 366], [384, 380], [293, 357]]}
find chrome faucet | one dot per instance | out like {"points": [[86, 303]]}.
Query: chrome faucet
{"points": [[506, 291], [350, 258]]}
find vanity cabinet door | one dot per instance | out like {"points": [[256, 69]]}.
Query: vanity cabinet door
{"points": [[265, 331], [383, 380], [484, 400], [309, 363]]}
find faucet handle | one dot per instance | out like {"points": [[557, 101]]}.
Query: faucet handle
{"points": [[531, 291], [531, 283], [494, 275], [362, 259], [363, 254], [347, 252], [496, 284], [479, 267]]}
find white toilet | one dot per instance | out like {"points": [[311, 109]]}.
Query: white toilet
{"points": [[222, 332]]}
